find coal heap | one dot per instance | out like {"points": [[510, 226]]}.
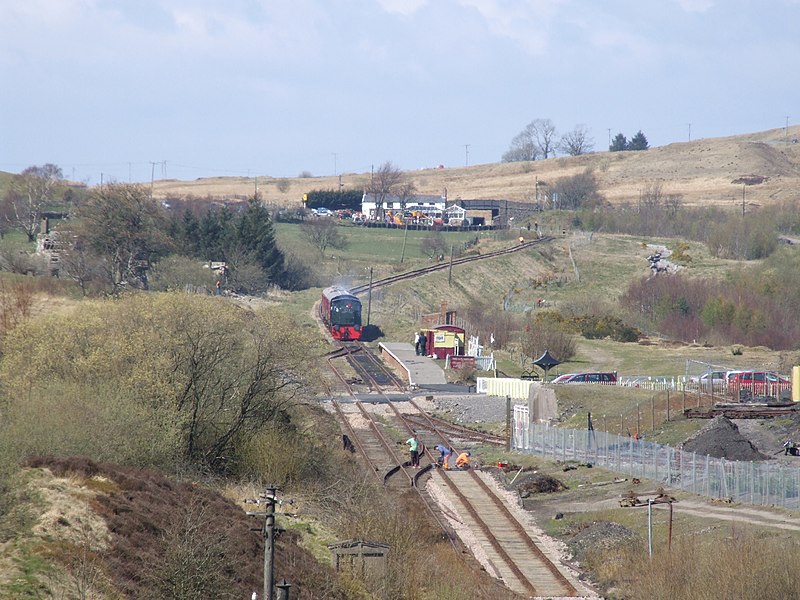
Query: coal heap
{"points": [[721, 439]]}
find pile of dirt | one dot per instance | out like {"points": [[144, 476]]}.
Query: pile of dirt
{"points": [[537, 483], [721, 439], [600, 536]]}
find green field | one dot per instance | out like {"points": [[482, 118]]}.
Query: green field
{"points": [[371, 244]]}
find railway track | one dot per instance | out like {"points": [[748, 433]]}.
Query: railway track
{"points": [[513, 555], [360, 289]]}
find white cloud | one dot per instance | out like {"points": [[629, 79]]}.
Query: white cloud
{"points": [[696, 6], [402, 7], [525, 22]]}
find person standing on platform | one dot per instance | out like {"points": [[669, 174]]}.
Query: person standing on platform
{"points": [[423, 342], [417, 340]]}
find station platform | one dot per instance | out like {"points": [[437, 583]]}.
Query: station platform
{"points": [[420, 371]]}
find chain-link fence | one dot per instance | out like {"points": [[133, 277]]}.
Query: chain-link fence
{"points": [[726, 384], [759, 483]]}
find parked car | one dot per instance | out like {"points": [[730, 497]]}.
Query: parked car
{"points": [[322, 211], [748, 384], [606, 378], [710, 379]]}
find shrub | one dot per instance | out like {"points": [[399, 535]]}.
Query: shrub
{"points": [[175, 272], [540, 335], [195, 374], [593, 327]]}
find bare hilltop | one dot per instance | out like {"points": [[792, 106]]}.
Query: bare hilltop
{"points": [[760, 168]]}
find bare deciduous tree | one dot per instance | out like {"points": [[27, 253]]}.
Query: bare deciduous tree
{"points": [[544, 133], [577, 191], [323, 233], [538, 337], [577, 141], [124, 226], [77, 262], [405, 192], [537, 139], [32, 191], [523, 148], [434, 245], [384, 182]]}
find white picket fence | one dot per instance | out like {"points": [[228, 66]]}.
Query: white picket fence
{"points": [[653, 383]]}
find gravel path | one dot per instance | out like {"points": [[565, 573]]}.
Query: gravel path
{"points": [[466, 409]]}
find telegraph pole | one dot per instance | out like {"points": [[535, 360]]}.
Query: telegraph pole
{"points": [[369, 296], [405, 237], [269, 499], [450, 269]]}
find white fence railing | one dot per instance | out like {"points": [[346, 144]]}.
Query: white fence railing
{"points": [[518, 389], [653, 383], [759, 483]]}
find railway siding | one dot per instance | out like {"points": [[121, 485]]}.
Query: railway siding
{"points": [[540, 574]]}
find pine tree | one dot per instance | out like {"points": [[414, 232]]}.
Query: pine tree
{"points": [[638, 142], [254, 231], [620, 143]]}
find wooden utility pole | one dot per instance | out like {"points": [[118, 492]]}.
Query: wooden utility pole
{"points": [[744, 187], [369, 296], [450, 270], [509, 432], [405, 237], [269, 499]]}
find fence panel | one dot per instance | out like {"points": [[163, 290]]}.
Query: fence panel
{"points": [[758, 483]]}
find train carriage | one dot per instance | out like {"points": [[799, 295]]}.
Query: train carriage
{"points": [[341, 312]]}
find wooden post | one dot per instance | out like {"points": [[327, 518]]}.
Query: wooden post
{"points": [[669, 543], [405, 237], [638, 420], [652, 413], [283, 590], [369, 296], [450, 270], [508, 423], [667, 405]]}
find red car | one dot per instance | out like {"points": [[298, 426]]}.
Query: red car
{"points": [[747, 384], [605, 378]]}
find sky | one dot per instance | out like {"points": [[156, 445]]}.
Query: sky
{"points": [[129, 90]]}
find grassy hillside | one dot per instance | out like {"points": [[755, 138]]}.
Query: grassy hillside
{"points": [[703, 171]]}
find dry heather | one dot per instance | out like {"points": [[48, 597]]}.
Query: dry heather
{"points": [[139, 531], [704, 172]]}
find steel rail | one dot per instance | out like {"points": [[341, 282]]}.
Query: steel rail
{"points": [[456, 430], [569, 589], [482, 525], [377, 433], [375, 361], [354, 437], [360, 289]]}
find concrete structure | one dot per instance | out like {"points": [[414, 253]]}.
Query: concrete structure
{"points": [[419, 370]]}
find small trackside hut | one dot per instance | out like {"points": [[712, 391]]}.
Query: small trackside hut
{"points": [[444, 340]]}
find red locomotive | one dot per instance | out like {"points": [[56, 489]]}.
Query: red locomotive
{"points": [[341, 312]]}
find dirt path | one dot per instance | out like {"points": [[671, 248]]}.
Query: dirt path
{"points": [[696, 507]]}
